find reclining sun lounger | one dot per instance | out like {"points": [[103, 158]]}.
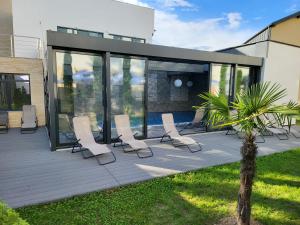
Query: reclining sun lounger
{"points": [[273, 129], [198, 121], [86, 142], [241, 134], [29, 122], [4, 121], [126, 137], [171, 134]]}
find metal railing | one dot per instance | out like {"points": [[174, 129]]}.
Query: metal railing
{"points": [[21, 46]]}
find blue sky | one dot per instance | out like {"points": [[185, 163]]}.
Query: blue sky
{"points": [[213, 24]]}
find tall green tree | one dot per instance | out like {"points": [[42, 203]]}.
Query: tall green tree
{"points": [[127, 95], [222, 84], [248, 107], [238, 81]]}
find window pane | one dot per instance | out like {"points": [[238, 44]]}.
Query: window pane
{"points": [[79, 88], [21, 77], [220, 82], [21, 95], [127, 91], [14, 92], [242, 80], [174, 87]]}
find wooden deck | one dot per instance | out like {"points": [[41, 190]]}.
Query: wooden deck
{"points": [[30, 173]]}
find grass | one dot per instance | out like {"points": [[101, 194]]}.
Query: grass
{"points": [[200, 197]]}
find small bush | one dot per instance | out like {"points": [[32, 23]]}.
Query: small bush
{"points": [[9, 217]]}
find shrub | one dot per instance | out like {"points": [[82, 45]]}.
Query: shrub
{"points": [[9, 217]]}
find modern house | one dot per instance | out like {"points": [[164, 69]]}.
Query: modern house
{"points": [[97, 60], [279, 45], [23, 44]]}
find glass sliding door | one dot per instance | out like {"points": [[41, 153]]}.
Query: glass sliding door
{"points": [[220, 79], [242, 79], [79, 92], [127, 79], [173, 87]]}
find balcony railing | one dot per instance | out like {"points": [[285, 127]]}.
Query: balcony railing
{"points": [[21, 46]]}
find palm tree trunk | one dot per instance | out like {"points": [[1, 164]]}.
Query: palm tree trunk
{"points": [[247, 173]]}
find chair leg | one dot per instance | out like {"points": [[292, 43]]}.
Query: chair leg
{"points": [[165, 136], [193, 151], [285, 136], [147, 156], [262, 138], [99, 162]]}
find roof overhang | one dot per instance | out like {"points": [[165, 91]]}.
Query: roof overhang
{"points": [[58, 40]]}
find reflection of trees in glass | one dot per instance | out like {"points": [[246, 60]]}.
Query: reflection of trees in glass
{"points": [[68, 104], [128, 101], [238, 81], [97, 88], [222, 84], [20, 98]]}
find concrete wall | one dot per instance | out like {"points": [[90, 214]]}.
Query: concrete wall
{"points": [[283, 66], [34, 68], [107, 16], [6, 27], [287, 32], [257, 50]]}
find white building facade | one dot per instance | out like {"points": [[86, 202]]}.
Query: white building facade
{"points": [[279, 45], [31, 19]]}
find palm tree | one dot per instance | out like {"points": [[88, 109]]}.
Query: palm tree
{"points": [[249, 106]]}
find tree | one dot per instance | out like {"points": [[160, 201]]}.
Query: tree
{"points": [[223, 78], [249, 106]]}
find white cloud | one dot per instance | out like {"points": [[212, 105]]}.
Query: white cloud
{"points": [[135, 2], [205, 34], [292, 8], [234, 19], [176, 3]]}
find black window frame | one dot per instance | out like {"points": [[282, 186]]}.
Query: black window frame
{"points": [[16, 81]]}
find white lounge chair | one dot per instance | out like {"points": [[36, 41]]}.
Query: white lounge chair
{"points": [[171, 134], [271, 128], [29, 122], [197, 121], [126, 137], [86, 142]]}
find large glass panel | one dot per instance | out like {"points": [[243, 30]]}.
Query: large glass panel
{"points": [[14, 91], [174, 87], [127, 91], [220, 79], [79, 92], [242, 79]]}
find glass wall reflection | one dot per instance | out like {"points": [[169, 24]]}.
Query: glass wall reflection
{"points": [[173, 87], [220, 79], [79, 92], [242, 79], [127, 80]]}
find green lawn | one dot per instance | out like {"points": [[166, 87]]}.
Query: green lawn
{"points": [[201, 197]]}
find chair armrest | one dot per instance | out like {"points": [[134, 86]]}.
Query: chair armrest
{"points": [[135, 134]]}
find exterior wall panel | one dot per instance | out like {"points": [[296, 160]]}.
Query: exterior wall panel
{"points": [[287, 32], [106, 16], [34, 68], [283, 66]]}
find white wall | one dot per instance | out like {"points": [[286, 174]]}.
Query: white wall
{"points": [[282, 65], [33, 17]]}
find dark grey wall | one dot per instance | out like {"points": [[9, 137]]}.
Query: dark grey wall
{"points": [[64, 40], [163, 96]]}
